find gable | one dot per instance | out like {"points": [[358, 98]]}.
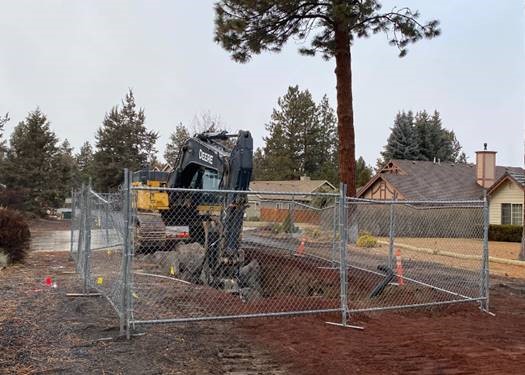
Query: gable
{"points": [[380, 188]]}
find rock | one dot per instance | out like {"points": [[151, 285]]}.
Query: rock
{"points": [[4, 258], [249, 276], [185, 261]]}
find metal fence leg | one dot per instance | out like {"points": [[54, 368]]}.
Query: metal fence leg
{"points": [[343, 232], [344, 212], [335, 229], [484, 280], [126, 258], [72, 223], [87, 236], [391, 236]]}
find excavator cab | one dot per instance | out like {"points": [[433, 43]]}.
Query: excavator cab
{"points": [[208, 163]]}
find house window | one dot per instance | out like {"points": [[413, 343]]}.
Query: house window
{"points": [[517, 214], [511, 214]]}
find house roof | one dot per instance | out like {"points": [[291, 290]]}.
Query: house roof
{"points": [[297, 186], [512, 175], [426, 180]]}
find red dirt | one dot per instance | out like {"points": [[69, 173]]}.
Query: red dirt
{"points": [[42, 330]]}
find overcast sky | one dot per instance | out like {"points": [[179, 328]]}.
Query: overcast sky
{"points": [[77, 59]]}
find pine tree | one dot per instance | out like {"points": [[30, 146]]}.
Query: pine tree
{"points": [[177, 140], [402, 142], [421, 137], [328, 143], [84, 161], [292, 148], [363, 172], [3, 149], [31, 163], [247, 28], [66, 168], [122, 141]]}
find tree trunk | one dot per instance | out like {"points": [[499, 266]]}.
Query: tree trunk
{"points": [[345, 110]]}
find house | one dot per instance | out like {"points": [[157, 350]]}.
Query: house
{"points": [[506, 199], [263, 205], [435, 180]]}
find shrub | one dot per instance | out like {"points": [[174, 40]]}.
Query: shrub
{"points": [[366, 240], [15, 199], [506, 233], [14, 235], [288, 226]]}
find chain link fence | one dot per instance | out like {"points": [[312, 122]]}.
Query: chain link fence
{"points": [[407, 254], [214, 254]]}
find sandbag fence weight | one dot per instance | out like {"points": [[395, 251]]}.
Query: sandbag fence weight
{"points": [[285, 253]]}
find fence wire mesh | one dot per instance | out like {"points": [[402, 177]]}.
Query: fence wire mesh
{"points": [[210, 260], [231, 254], [403, 254]]}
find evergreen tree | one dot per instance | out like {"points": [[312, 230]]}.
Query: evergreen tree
{"points": [[246, 28], [363, 172], [435, 142], [3, 148], [66, 168], [328, 143], [177, 140], [31, 163], [421, 137], [294, 141], [84, 162], [122, 141], [402, 142]]}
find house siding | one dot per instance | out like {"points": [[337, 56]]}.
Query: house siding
{"points": [[382, 190], [508, 192]]}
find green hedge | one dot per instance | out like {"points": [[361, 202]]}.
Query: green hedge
{"points": [[507, 233]]}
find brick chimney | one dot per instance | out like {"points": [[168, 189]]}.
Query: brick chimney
{"points": [[485, 167]]}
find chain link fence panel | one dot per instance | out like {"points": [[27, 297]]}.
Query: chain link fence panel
{"points": [[212, 254], [405, 254], [203, 258]]}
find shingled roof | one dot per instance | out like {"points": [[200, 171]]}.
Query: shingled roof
{"points": [[426, 180], [296, 186]]}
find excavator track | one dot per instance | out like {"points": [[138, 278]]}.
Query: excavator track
{"points": [[150, 232]]}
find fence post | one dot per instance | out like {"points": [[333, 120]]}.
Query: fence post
{"points": [[335, 224], [126, 257], [343, 235], [80, 242], [72, 222], [87, 237], [484, 281], [391, 235], [106, 223]]}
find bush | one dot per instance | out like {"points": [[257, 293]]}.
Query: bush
{"points": [[14, 235], [506, 233], [288, 226], [366, 240], [15, 199]]}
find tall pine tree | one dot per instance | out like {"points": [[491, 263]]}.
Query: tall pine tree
{"points": [[421, 137], [84, 161], [177, 140], [31, 163], [402, 142], [246, 28], [3, 149], [66, 167], [122, 142]]}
